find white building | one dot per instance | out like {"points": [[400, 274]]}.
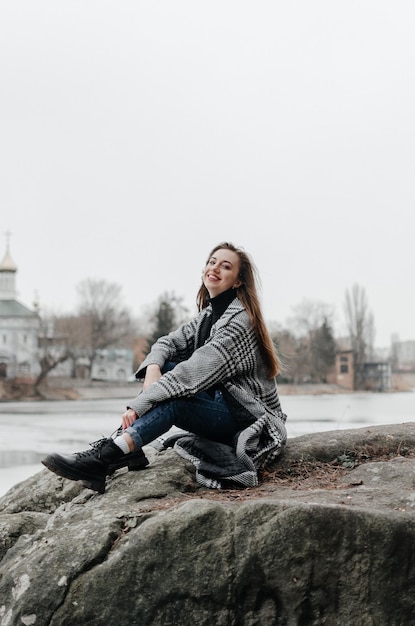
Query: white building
{"points": [[113, 365], [19, 329]]}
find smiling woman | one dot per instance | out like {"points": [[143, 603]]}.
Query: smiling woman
{"points": [[222, 272], [213, 377]]}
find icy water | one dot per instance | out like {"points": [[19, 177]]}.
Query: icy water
{"points": [[29, 430]]}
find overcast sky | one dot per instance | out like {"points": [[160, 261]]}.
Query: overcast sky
{"points": [[134, 136]]}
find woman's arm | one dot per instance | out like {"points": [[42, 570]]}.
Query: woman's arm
{"points": [[176, 346], [153, 374], [228, 353]]}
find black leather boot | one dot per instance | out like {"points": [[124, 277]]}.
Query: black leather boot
{"points": [[94, 465], [135, 461]]}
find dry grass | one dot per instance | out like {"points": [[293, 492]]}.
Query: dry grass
{"points": [[306, 475], [301, 474]]}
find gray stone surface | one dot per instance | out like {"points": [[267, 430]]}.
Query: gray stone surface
{"points": [[325, 539]]}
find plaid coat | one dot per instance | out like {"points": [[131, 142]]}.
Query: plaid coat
{"points": [[229, 356]]}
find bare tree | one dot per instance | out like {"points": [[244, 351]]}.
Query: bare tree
{"points": [[73, 331], [309, 315], [360, 324], [102, 321], [286, 346], [105, 319], [53, 350], [315, 344]]}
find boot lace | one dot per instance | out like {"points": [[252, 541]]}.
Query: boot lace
{"points": [[96, 447]]}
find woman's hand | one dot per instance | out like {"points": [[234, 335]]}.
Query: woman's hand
{"points": [[128, 418], [153, 374]]}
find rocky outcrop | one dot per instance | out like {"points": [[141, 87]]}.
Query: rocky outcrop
{"points": [[327, 538]]}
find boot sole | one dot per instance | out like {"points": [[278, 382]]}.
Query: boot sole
{"points": [[111, 471], [96, 483]]}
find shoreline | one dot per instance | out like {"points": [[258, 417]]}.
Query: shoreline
{"points": [[59, 389], [107, 391]]}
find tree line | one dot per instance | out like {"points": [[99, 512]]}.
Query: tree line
{"points": [[307, 346]]}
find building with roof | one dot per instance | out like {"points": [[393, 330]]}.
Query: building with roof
{"points": [[19, 329]]}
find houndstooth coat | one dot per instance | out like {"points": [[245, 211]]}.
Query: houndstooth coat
{"points": [[229, 356]]}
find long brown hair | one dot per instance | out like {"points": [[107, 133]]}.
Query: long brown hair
{"points": [[248, 295]]}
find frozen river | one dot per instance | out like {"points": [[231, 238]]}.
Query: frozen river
{"points": [[29, 430]]}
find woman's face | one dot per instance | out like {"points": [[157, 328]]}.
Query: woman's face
{"points": [[221, 272]]}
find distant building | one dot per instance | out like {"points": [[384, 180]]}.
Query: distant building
{"points": [[378, 376], [114, 365], [342, 373], [19, 329], [403, 356]]}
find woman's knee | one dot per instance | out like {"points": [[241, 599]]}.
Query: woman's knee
{"points": [[154, 423]]}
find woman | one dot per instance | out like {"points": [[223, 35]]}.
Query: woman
{"points": [[214, 377]]}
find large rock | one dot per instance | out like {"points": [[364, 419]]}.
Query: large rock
{"points": [[327, 538]]}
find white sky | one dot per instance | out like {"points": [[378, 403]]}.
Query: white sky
{"points": [[134, 136]]}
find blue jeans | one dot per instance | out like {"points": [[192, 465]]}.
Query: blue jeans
{"points": [[200, 414]]}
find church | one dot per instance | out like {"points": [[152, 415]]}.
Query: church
{"points": [[19, 329]]}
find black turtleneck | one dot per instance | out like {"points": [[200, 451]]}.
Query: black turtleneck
{"points": [[219, 305], [221, 302]]}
